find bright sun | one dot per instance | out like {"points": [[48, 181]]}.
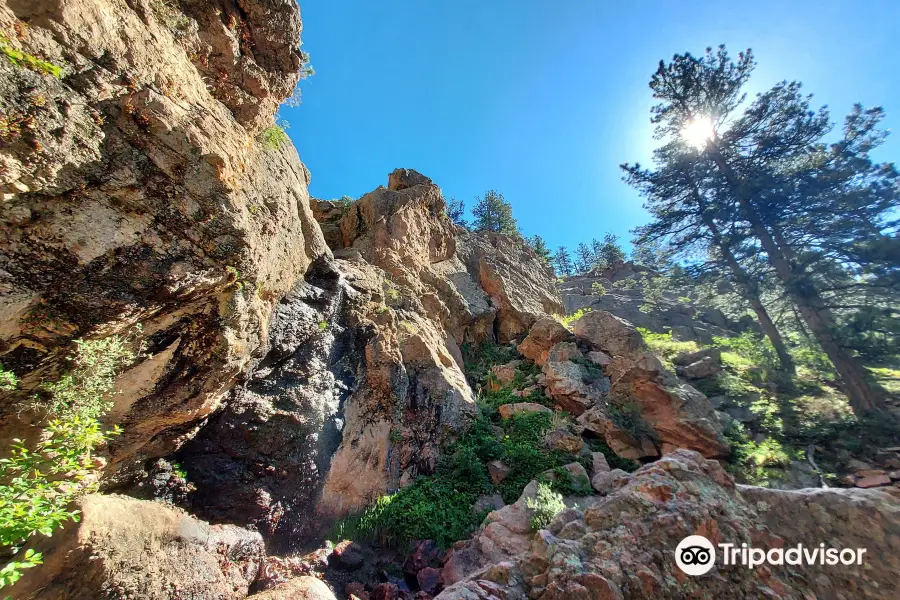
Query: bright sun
{"points": [[699, 131]]}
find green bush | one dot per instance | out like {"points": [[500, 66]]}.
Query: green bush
{"points": [[440, 506], [663, 345], [8, 380], [755, 463], [40, 483], [756, 351], [274, 137], [628, 417], [590, 371], [545, 506]]}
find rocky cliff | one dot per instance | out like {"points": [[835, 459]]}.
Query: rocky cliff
{"points": [[302, 358]]}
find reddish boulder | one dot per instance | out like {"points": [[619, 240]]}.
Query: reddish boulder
{"points": [[429, 580], [544, 334]]}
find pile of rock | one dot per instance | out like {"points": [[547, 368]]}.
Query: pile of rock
{"points": [[602, 374], [621, 543], [882, 472]]}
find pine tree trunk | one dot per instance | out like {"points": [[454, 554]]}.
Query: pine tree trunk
{"points": [[747, 287], [864, 396]]}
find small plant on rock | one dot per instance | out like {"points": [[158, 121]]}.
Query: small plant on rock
{"points": [[275, 136], [545, 506], [23, 60]]}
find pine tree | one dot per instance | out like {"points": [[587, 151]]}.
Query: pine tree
{"points": [[608, 253], [537, 244], [456, 210], [758, 157], [494, 213], [584, 258], [563, 261], [687, 219]]}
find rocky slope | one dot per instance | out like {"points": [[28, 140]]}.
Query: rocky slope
{"points": [[304, 358], [620, 290]]}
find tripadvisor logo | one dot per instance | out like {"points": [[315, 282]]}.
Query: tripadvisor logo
{"points": [[696, 555]]}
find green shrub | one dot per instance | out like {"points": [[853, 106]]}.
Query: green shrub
{"points": [[479, 358], [563, 482], [274, 137], [756, 351], [599, 289], [545, 506], [8, 380], [664, 345], [440, 506], [614, 460], [755, 463], [40, 483], [590, 371], [568, 320]]}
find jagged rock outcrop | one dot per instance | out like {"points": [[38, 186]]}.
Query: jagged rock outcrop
{"points": [[519, 284], [622, 545], [621, 392], [425, 289], [136, 192], [126, 548]]}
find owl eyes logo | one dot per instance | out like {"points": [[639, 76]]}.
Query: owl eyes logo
{"points": [[695, 555]]}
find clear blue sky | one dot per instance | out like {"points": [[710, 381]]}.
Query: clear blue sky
{"points": [[543, 100]]}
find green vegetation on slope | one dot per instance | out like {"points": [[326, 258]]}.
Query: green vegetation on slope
{"points": [[786, 413], [440, 506], [41, 480]]}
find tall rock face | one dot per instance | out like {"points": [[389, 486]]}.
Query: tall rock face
{"points": [[136, 191], [423, 289]]}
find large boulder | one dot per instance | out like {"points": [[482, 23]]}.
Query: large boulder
{"points": [[299, 588], [622, 546], [126, 548], [543, 335], [612, 335], [573, 387], [677, 413]]}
